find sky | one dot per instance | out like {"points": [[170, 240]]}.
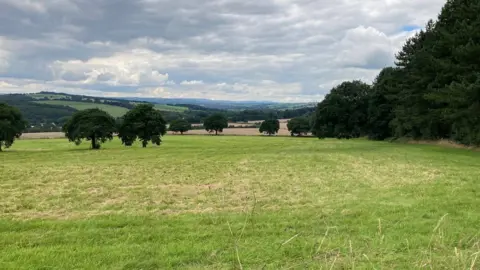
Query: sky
{"points": [[270, 50]]}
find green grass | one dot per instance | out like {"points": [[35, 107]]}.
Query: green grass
{"points": [[115, 111], [164, 107], [205, 202]]}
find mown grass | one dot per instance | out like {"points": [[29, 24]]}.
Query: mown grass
{"points": [[114, 111], [206, 202]]}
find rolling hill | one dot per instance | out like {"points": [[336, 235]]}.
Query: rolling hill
{"points": [[114, 111], [48, 111]]}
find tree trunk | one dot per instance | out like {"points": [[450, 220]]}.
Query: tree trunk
{"points": [[181, 132], [1, 147], [216, 132], [94, 143], [144, 144]]}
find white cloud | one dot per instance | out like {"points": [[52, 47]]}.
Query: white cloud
{"points": [[194, 82], [132, 69]]}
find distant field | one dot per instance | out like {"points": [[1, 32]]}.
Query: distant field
{"points": [[49, 96], [206, 202], [170, 108], [115, 111]]}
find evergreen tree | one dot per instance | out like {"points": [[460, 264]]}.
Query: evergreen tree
{"points": [[381, 104], [455, 89]]}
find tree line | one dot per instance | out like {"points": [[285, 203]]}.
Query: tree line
{"points": [[143, 123], [432, 92]]}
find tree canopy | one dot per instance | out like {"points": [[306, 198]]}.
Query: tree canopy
{"points": [[216, 123], [299, 126], [343, 112], [180, 125], [92, 125], [270, 126], [12, 125], [144, 123], [432, 92]]}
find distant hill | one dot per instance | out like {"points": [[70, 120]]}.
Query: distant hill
{"points": [[224, 104], [115, 111], [48, 111]]}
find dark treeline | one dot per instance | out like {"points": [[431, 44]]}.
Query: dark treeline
{"points": [[40, 117], [432, 92]]}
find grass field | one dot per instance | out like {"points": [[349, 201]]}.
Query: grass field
{"points": [[164, 107], [206, 202], [114, 111]]}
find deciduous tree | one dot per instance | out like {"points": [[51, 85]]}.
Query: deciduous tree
{"points": [[343, 112], [92, 125], [216, 122], [12, 125], [142, 122], [270, 126], [180, 125], [299, 126]]}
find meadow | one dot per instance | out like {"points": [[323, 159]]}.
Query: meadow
{"points": [[170, 108], [239, 202], [114, 111]]}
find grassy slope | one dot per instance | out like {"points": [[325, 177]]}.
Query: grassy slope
{"points": [[115, 111], [163, 107], [204, 202]]}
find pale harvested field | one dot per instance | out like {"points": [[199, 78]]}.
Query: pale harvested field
{"points": [[43, 135], [228, 131], [241, 131]]}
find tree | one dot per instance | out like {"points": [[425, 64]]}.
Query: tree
{"points": [[343, 112], [12, 125], [93, 125], [299, 126], [180, 125], [270, 126], [381, 104], [142, 122], [438, 94], [216, 122], [416, 116], [454, 91]]}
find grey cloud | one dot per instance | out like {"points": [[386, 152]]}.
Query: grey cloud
{"points": [[312, 43], [70, 76], [105, 77]]}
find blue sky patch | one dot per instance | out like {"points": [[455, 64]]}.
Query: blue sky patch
{"points": [[409, 28]]}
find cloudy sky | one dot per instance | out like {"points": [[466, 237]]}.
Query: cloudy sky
{"points": [[280, 50]]}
